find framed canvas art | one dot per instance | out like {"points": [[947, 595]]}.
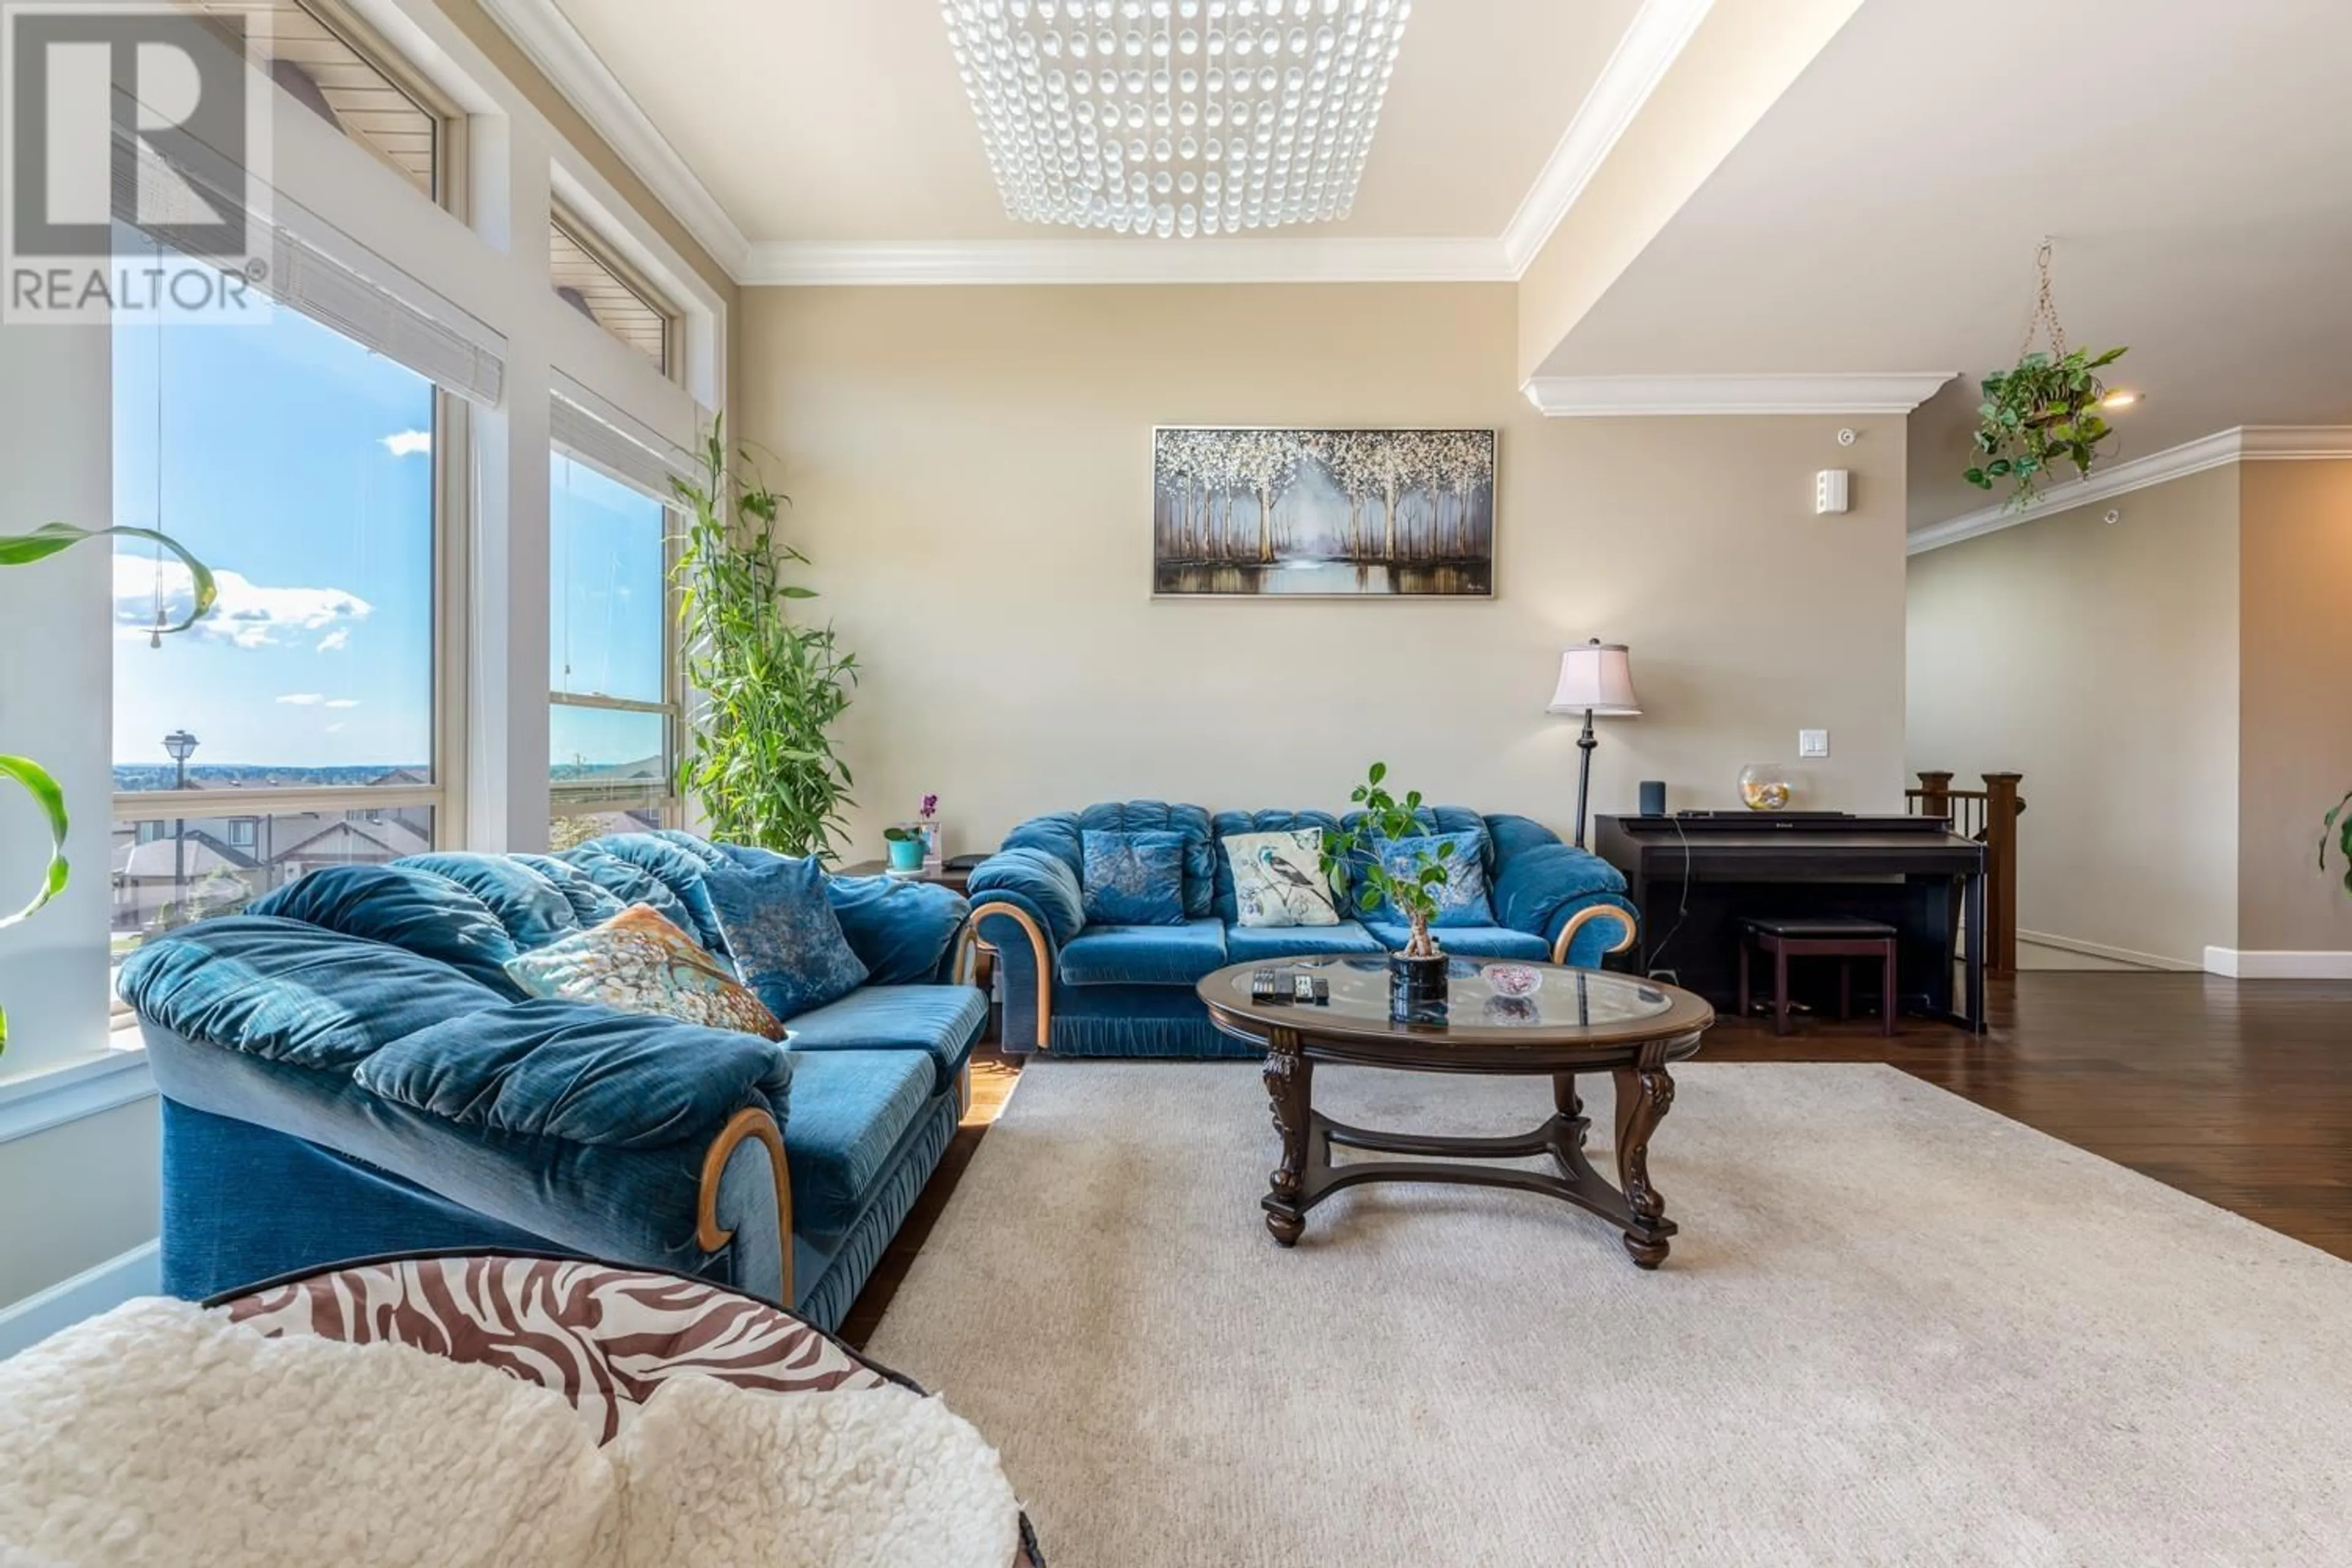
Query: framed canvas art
{"points": [[1246, 512]]}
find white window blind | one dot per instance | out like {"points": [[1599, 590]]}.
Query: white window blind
{"points": [[584, 425], [383, 309]]}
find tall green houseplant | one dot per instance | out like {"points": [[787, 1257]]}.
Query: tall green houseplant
{"points": [[24, 550], [759, 754]]}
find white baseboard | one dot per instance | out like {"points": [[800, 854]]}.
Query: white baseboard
{"points": [[2240, 964], [2118, 954], [138, 1273]]}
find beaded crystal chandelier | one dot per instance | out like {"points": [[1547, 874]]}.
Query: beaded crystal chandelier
{"points": [[1176, 117]]}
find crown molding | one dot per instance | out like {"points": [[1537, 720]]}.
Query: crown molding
{"points": [[565, 58], [1650, 46], [1619, 397], [1127, 260], [2247, 443], [2294, 443]]}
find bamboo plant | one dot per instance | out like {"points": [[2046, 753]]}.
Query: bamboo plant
{"points": [[24, 550], [759, 754]]}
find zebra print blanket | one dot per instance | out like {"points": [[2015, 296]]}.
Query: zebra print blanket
{"points": [[519, 1412]]}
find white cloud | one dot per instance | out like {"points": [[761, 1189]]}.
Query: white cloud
{"points": [[335, 641], [335, 729], [246, 614], [301, 700], [407, 443], [343, 702]]}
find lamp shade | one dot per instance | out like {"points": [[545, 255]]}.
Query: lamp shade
{"points": [[1595, 678]]}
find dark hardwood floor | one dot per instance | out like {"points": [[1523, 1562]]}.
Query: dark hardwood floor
{"points": [[2240, 1093]]}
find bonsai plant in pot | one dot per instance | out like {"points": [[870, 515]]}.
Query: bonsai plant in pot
{"points": [[1417, 973]]}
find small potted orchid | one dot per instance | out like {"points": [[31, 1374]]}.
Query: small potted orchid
{"points": [[912, 844]]}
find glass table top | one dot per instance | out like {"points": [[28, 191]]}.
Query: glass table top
{"points": [[1480, 993]]}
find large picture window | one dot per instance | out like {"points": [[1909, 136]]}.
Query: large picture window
{"points": [[297, 725], [612, 712]]}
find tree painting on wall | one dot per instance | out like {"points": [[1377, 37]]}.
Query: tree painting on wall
{"points": [[1370, 513]]}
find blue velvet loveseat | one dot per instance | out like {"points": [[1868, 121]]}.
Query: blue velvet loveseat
{"points": [[1092, 989], [346, 1070]]}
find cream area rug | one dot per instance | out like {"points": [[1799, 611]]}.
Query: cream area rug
{"points": [[1895, 1329]]}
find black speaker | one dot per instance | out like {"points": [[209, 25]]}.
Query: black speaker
{"points": [[1653, 797]]}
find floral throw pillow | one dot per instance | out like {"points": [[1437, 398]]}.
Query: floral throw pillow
{"points": [[640, 962], [1133, 879], [780, 925], [1462, 898], [1279, 879]]}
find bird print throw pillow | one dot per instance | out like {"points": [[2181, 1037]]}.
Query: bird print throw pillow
{"points": [[1279, 879]]}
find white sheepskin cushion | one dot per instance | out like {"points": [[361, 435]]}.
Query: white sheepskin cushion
{"points": [[158, 1433], [720, 1477]]}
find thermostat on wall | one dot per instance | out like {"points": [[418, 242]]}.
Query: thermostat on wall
{"points": [[1830, 489]]}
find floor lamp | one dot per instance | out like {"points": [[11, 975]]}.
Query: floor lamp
{"points": [[1597, 678]]}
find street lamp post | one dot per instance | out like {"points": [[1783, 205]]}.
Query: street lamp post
{"points": [[180, 745]]}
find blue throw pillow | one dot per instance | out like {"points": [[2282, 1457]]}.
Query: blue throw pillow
{"points": [[1462, 897], [1134, 879], [783, 934]]}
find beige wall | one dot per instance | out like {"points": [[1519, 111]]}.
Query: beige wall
{"points": [[971, 469], [2102, 662], [2295, 671]]}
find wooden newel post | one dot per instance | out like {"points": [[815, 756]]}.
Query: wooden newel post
{"points": [[1935, 795], [2001, 806]]}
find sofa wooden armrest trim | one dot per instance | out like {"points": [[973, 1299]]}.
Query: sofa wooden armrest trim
{"points": [[749, 1122], [1045, 963], [1576, 923]]}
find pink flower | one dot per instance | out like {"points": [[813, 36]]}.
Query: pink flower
{"points": [[930, 805]]}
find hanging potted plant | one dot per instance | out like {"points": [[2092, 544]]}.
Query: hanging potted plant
{"points": [[1416, 971], [2042, 411]]}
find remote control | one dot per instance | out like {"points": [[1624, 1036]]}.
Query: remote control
{"points": [[1302, 988], [1263, 988]]}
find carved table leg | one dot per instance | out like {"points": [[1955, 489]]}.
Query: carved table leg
{"points": [[1645, 1094], [1287, 1074], [1569, 1104]]}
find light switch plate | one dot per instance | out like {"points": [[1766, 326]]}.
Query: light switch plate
{"points": [[1813, 742]]}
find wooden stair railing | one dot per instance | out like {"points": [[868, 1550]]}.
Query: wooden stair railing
{"points": [[1990, 817]]}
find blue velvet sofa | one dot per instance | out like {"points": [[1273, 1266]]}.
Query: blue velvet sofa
{"points": [[1128, 991], [346, 1070]]}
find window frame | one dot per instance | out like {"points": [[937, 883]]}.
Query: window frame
{"points": [[562, 218], [564, 802], [451, 165]]}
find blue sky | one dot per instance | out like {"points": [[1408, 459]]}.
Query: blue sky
{"points": [[297, 465]]}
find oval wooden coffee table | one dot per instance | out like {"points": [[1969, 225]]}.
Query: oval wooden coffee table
{"points": [[1501, 1018]]}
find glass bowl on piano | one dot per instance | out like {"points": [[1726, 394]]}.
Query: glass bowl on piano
{"points": [[1766, 786]]}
